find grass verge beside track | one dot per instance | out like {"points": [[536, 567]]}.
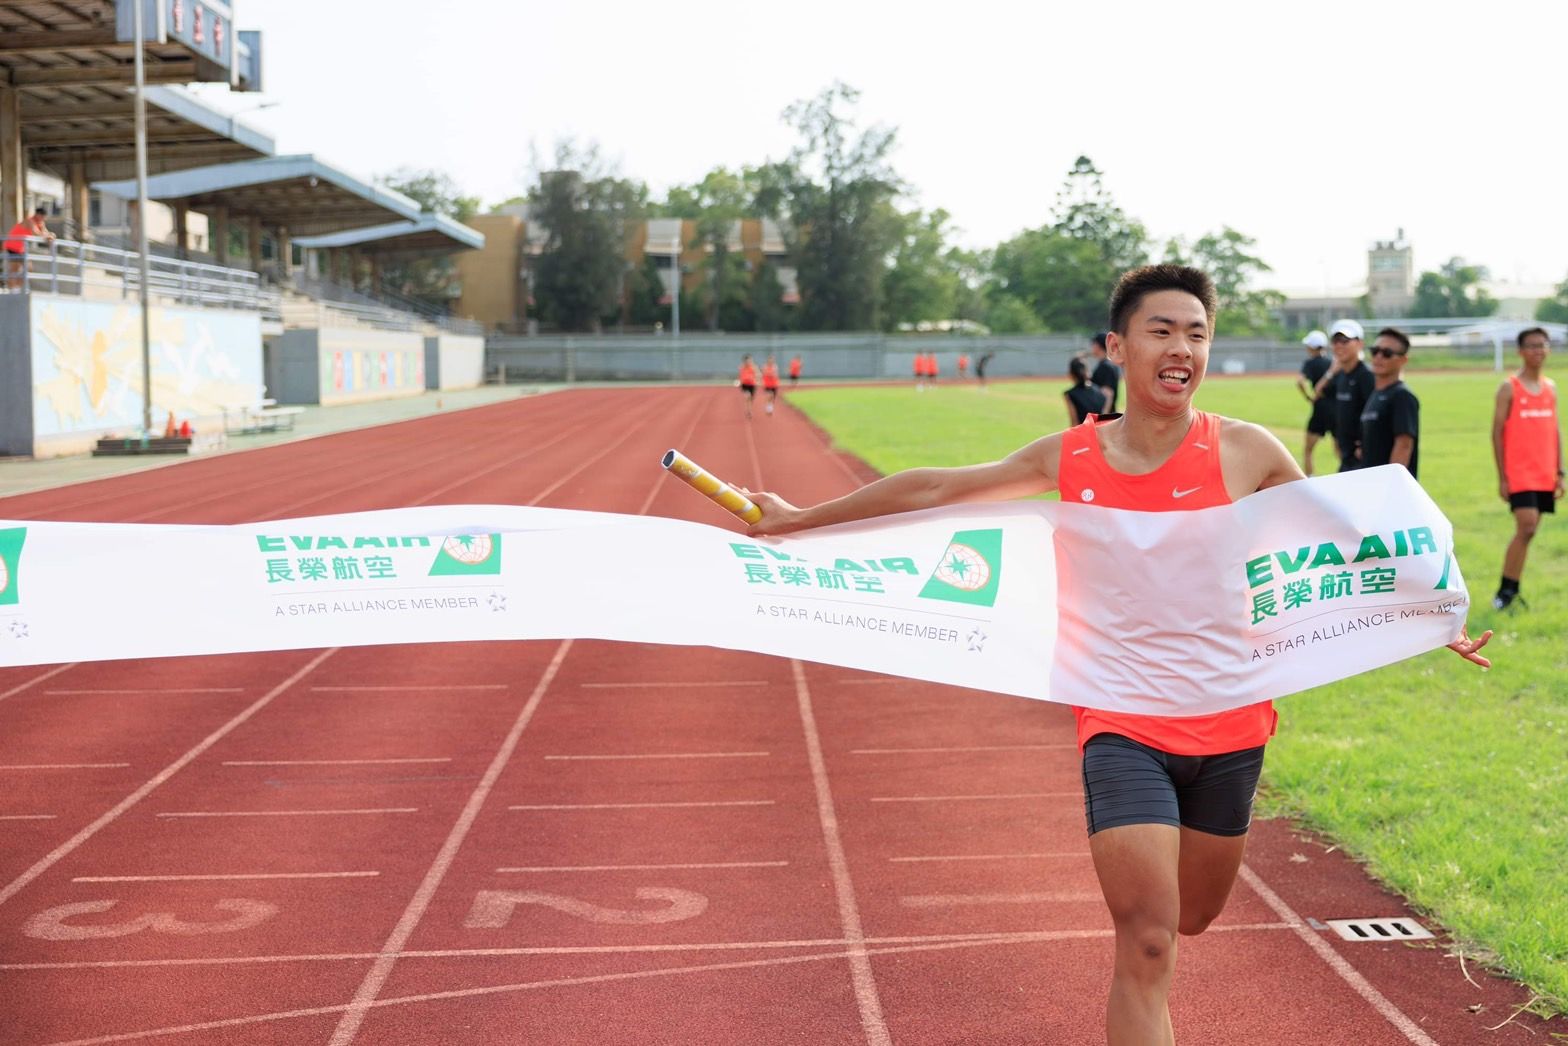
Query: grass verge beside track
{"points": [[1451, 784]]}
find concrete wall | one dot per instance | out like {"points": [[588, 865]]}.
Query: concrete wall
{"points": [[16, 376], [86, 368], [340, 365], [454, 361]]}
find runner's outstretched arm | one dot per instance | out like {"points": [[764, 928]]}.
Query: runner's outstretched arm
{"points": [[1029, 470]]}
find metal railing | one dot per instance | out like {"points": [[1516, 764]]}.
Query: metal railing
{"points": [[93, 270], [337, 296]]}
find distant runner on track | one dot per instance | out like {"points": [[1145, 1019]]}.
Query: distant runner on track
{"points": [[1168, 800], [746, 381], [770, 383], [1529, 449]]}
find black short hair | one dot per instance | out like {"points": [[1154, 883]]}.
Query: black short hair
{"points": [[1397, 334], [1137, 284], [40, 212], [1078, 369], [1099, 338], [1533, 330]]}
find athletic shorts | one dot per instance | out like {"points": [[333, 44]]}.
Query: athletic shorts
{"points": [[1125, 782], [1321, 421], [1541, 500], [748, 390]]}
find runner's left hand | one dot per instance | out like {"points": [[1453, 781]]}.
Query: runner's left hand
{"points": [[1468, 648]]}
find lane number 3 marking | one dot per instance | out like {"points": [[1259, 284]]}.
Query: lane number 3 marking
{"points": [[51, 924]]}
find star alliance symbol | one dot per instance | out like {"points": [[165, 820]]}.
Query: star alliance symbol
{"points": [[19, 629], [977, 640], [497, 601]]}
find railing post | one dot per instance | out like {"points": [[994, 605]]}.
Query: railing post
{"points": [[571, 361], [54, 267]]}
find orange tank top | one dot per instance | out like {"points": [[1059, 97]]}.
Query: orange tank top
{"points": [[748, 374], [1530, 436], [1190, 479]]}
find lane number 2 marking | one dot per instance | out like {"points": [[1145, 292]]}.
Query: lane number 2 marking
{"points": [[493, 908], [51, 924]]}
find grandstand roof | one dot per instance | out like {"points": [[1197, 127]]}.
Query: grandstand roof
{"points": [[95, 126], [302, 193], [429, 233]]}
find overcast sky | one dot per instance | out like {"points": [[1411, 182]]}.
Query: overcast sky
{"points": [[1315, 128]]}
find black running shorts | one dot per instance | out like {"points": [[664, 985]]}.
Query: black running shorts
{"points": [[1321, 421], [1125, 782], [1542, 500]]}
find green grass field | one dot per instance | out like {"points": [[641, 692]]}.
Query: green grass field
{"points": [[1450, 783]]}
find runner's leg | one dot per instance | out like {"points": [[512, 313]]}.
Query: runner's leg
{"points": [[1209, 864], [1526, 520], [1138, 865]]}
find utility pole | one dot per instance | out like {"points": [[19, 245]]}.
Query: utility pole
{"points": [[141, 218]]}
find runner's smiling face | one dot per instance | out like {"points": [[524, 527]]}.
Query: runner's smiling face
{"points": [[1164, 352]]}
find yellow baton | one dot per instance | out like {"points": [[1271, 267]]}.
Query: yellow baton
{"points": [[706, 483]]}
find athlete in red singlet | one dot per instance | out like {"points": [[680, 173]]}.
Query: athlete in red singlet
{"points": [[746, 381], [1168, 801], [1528, 446]]}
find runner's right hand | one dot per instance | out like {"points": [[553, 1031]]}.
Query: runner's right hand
{"points": [[1502, 489], [778, 515]]}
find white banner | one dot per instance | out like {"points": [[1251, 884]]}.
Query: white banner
{"points": [[1173, 613]]}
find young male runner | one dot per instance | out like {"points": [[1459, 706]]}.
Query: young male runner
{"points": [[1391, 419], [1321, 420], [746, 381], [794, 370], [770, 383], [1529, 449], [1348, 383], [1168, 800]]}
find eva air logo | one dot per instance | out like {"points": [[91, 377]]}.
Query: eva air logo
{"points": [[969, 571], [468, 554], [10, 555]]}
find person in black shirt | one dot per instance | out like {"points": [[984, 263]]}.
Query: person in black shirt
{"points": [[1321, 421], [1391, 419], [1083, 399], [1348, 383], [1106, 376]]}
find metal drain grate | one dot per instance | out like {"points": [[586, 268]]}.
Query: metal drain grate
{"points": [[1397, 929]]}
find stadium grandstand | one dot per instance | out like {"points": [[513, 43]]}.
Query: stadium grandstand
{"points": [[264, 272]]}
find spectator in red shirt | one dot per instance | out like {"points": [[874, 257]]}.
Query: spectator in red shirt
{"points": [[16, 243]]}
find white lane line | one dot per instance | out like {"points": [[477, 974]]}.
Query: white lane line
{"points": [[872, 1020], [407, 689], [990, 857], [36, 680], [330, 762], [964, 798], [703, 406], [665, 755], [561, 982], [46, 862], [1004, 937], [644, 867], [159, 690], [294, 813], [960, 900], [28, 817], [642, 805], [376, 976], [965, 748], [683, 686], [64, 766], [220, 878], [1336, 962]]}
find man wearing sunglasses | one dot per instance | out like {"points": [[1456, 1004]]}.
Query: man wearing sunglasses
{"points": [[1349, 384], [1391, 419]]}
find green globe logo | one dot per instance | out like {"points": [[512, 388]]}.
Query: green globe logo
{"points": [[963, 568], [469, 549]]}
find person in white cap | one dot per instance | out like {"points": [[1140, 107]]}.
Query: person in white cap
{"points": [[1348, 383], [1321, 421]]}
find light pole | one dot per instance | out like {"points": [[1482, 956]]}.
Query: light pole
{"points": [[675, 294], [141, 219]]}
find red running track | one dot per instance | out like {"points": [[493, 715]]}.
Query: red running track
{"points": [[597, 843]]}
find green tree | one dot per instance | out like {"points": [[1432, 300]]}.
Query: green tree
{"points": [[1006, 314], [926, 278], [831, 196], [1228, 259], [1064, 281], [1555, 308], [766, 302], [1086, 211], [432, 280], [722, 198], [584, 207], [1454, 290]]}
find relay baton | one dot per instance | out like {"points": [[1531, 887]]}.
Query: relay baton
{"points": [[704, 482]]}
